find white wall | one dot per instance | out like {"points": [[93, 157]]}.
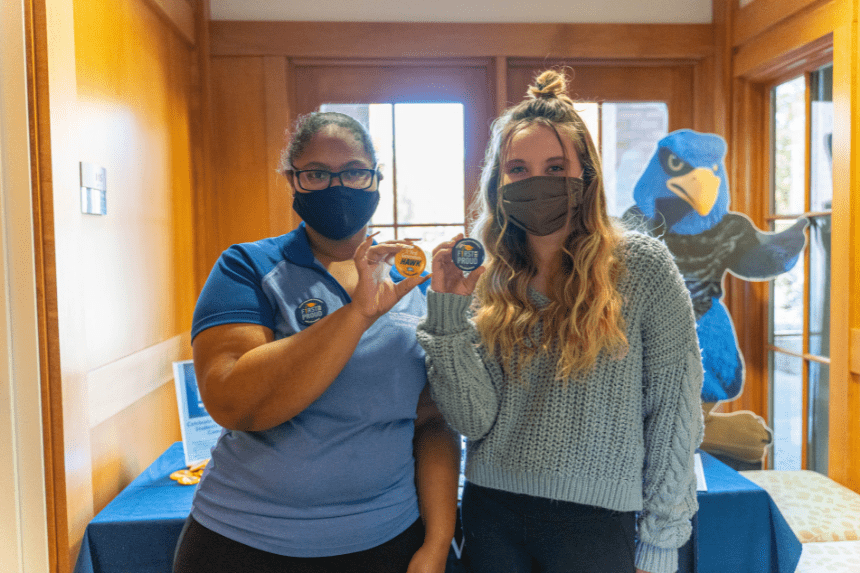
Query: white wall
{"points": [[550, 11]]}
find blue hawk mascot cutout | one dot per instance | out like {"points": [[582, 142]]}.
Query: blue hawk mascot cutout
{"points": [[682, 198]]}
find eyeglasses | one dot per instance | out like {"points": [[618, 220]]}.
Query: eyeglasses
{"points": [[318, 179]]}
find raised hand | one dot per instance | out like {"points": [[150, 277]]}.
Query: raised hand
{"points": [[446, 276], [376, 293]]}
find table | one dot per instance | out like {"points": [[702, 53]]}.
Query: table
{"points": [[738, 527], [137, 531]]}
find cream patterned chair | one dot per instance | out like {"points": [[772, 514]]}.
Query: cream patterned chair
{"points": [[823, 514]]}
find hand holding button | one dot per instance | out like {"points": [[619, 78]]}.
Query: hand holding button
{"points": [[447, 276]]}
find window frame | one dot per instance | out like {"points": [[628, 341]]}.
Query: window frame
{"points": [[759, 94]]}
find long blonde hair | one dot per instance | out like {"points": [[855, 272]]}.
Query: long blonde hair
{"points": [[583, 317]]}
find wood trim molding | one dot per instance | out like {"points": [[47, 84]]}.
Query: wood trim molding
{"points": [[854, 350], [761, 15], [277, 118], [53, 441], [456, 40], [802, 34], [118, 385], [180, 14]]}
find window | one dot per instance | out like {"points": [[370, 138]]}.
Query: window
{"points": [[627, 139], [799, 307], [421, 155]]}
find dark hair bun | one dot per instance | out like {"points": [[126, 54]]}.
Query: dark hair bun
{"points": [[549, 84]]}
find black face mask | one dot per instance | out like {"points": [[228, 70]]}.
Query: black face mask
{"points": [[539, 205], [337, 212]]}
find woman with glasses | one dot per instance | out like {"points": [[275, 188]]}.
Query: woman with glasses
{"points": [[305, 352], [574, 371]]}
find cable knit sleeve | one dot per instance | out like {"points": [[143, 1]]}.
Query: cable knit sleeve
{"points": [[673, 425], [460, 383]]}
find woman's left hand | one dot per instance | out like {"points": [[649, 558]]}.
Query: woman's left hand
{"points": [[429, 559]]}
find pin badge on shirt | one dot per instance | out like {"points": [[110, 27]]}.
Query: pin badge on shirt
{"points": [[410, 262], [311, 311], [467, 254]]}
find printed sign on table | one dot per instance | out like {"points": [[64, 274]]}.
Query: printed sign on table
{"points": [[199, 430]]}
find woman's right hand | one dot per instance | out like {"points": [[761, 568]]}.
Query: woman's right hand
{"points": [[446, 276]]}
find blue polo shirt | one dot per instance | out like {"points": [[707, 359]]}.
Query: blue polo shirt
{"points": [[340, 476]]}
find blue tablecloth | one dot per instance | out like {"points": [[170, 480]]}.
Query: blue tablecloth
{"points": [[137, 531], [738, 528]]}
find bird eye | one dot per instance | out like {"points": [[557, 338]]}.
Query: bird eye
{"points": [[672, 164]]}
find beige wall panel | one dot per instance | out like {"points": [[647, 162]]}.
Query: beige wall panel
{"points": [[240, 160], [120, 455]]}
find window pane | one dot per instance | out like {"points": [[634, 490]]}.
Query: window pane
{"points": [[382, 133], [821, 138], [590, 114], [428, 141], [819, 431], [376, 118], [786, 304], [819, 286], [789, 143], [629, 136], [787, 404]]}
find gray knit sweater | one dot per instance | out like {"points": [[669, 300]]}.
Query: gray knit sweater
{"points": [[622, 437]]}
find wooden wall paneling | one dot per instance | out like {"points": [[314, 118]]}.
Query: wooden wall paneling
{"points": [[761, 15], [179, 14], [441, 40], [501, 88], [723, 14], [46, 286], [204, 207], [240, 160], [746, 300], [155, 418], [134, 87], [683, 100], [705, 88], [779, 44], [277, 122], [844, 435]]}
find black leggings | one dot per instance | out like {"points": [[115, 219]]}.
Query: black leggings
{"points": [[514, 533], [201, 550]]}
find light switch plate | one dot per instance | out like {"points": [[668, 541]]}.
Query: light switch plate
{"points": [[93, 176], [93, 201], [93, 189]]}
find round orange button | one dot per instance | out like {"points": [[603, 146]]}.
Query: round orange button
{"points": [[410, 262]]}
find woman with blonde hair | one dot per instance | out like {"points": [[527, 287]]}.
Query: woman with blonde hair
{"points": [[570, 363]]}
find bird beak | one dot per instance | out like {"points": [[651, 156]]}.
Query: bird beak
{"points": [[699, 188]]}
